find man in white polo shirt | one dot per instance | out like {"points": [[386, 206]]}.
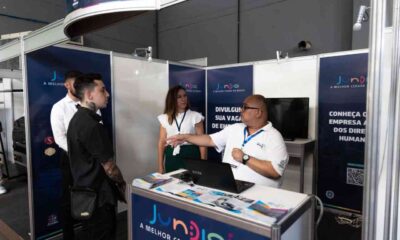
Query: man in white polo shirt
{"points": [[60, 116], [254, 148]]}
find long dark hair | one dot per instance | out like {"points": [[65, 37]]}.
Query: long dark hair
{"points": [[170, 102]]}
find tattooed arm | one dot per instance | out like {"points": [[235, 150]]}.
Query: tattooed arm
{"points": [[115, 175], [113, 171]]}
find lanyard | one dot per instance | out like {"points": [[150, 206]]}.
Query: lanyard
{"points": [[180, 124], [247, 139]]}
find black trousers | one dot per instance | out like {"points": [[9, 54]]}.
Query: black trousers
{"points": [[66, 182], [101, 226]]}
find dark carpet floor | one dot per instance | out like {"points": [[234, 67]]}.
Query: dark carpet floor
{"points": [[14, 209]]}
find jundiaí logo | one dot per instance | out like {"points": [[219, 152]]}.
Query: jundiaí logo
{"points": [[190, 229], [350, 82], [56, 77], [188, 85], [55, 80], [227, 86]]}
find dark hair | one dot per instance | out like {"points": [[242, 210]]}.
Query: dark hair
{"points": [[71, 74], [85, 82], [170, 102]]}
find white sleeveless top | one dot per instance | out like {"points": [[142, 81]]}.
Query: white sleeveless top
{"points": [[187, 126]]}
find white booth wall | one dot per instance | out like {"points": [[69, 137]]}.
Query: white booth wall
{"points": [[293, 77], [139, 90]]}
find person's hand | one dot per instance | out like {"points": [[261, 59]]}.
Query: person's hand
{"points": [[237, 154], [161, 170], [176, 140]]}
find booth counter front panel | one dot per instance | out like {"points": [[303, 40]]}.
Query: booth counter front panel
{"points": [[156, 220], [155, 215]]}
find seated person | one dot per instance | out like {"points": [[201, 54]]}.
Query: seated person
{"points": [[254, 148]]}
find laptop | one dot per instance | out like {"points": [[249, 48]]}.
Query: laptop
{"points": [[212, 174]]}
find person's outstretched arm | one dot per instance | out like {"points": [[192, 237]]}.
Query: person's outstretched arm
{"points": [[200, 140], [200, 131]]}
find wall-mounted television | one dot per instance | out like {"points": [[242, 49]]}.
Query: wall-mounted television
{"points": [[289, 116]]}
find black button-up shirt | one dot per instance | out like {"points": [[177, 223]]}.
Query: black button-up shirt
{"points": [[89, 146]]}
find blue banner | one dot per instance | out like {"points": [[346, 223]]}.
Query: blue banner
{"points": [[152, 220], [45, 78], [194, 80], [341, 131], [226, 90]]}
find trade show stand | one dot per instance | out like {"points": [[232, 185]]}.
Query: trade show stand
{"points": [[180, 211], [300, 148]]}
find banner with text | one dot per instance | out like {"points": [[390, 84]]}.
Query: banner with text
{"points": [[226, 90], [341, 131], [153, 220], [194, 80], [45, 78]]}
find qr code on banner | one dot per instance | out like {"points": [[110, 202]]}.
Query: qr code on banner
{"points": [[355, 176]]}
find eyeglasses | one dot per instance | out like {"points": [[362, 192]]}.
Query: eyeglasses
{"points": [[245, 107]]}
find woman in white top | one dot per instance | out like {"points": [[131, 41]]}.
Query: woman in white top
{"points": [[178, 119]]}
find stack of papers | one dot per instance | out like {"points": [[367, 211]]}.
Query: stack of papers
{"points": [[269, 212], [151, 181]]}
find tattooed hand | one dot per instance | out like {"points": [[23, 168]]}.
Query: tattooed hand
{"points": [[113, 171]]}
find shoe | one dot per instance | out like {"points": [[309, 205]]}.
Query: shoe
{"points": [[2, 190]]}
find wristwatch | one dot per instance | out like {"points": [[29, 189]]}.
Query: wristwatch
{"points": [[245, 159]]}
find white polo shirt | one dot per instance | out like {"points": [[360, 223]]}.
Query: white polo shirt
{"points": [[60, 116], [268, 145], [187, 123]]}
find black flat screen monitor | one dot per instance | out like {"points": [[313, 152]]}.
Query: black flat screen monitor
{"points": [[289, 116]]}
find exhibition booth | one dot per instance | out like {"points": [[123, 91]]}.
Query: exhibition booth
{"points": [[325, 94], [138, 88]]}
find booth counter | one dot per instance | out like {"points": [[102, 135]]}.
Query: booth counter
{"points": [[157, 214]]}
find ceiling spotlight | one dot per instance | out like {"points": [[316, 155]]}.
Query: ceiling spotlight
{"points": [[304, 45], [144, 52], [361, 17]]}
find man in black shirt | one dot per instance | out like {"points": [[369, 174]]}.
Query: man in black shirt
{"points": [[91, 156]]}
